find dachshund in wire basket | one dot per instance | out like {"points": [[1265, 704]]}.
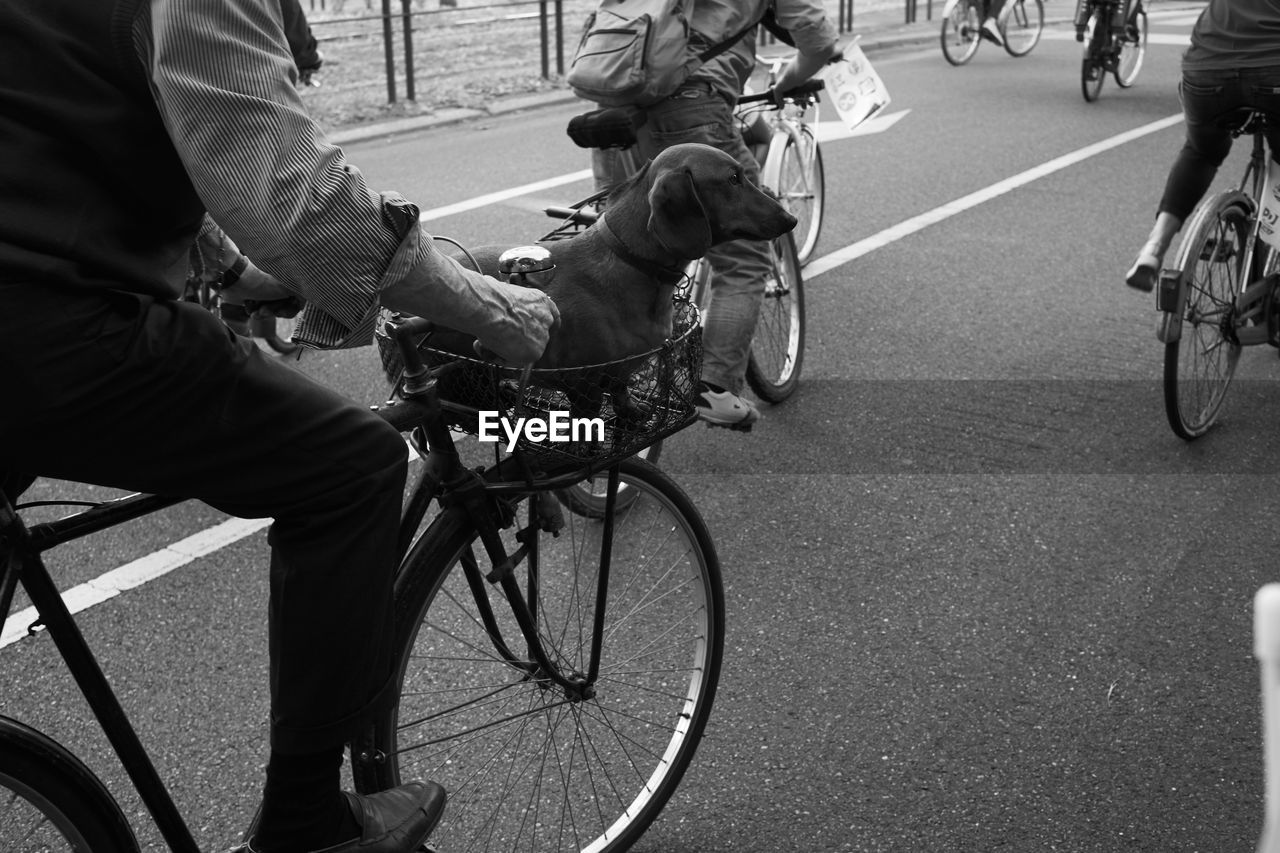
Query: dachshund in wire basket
{"points": [[614, 282]]}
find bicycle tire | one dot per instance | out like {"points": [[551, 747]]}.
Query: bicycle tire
{"points": [[960, 34], [51, 802], [1021, 23], [1093, 70], [588, 497], [1200, 361], [1132, 51], [802, 190], [777, 346], [526, 767]]}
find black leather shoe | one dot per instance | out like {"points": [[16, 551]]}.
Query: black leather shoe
{"points": [[394, 821]]}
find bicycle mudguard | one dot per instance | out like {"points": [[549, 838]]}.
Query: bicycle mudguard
{"points": [[611, 127], [1169, 299]]}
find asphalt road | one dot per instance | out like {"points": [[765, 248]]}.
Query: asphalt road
{"points": [[980, 597]]}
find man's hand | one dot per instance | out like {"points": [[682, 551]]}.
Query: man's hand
{"points": [[532, 315], [254, 285], [511, 321]]}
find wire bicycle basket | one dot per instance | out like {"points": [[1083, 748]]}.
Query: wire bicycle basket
{"points": [[577, 416]]}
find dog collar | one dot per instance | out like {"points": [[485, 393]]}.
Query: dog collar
{"points": [[646, 266]]}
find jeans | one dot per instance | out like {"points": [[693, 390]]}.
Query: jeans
{"points": [[1207, 97], [150, 395], [697, 114]]}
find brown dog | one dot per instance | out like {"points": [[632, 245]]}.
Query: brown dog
{"points": [[614, 282]]}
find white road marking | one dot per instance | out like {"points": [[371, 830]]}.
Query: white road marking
{"points": [[932, 217], [502, 195], [140, 571], [830, 131], [1152, 38], [207, 541]]}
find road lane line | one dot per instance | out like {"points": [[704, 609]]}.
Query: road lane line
{"points": [[1179, 40], [502, 195], [932, 217], [206, 542], [140, 571]]}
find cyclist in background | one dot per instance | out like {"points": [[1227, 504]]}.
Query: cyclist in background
{"points": [[701, 110], [1233, 62], [123, 124], [990, 29]]}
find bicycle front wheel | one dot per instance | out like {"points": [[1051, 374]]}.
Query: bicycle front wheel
{"points": [[1021, 23], [1200, 361], [802, 189], [50, 802], [529, 764], [1133, 49], [777, 347], [1093, 70], [960, 32]]}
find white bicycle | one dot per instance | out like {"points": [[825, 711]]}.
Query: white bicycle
{"points": [[1020, 23]]}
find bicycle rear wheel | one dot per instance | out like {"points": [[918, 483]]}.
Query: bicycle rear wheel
{"points": [[1133, 49], [802, 189], [527, 764], [50, 802], [777, 347], [960, 34], [1200, 361], [1093, 70], [1021, 23]]}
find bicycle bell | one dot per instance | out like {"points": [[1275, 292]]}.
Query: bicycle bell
{"points": [[517, 263]]}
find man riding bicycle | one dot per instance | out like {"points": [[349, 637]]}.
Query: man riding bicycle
{"points": [[123, 124], [701, 110]]}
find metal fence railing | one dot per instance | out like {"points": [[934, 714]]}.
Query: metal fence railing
{"points": [[384, 42]]}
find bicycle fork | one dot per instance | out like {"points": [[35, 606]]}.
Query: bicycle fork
{"points": [[544, 517]]}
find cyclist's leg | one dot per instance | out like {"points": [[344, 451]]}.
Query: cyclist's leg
{"points": [[697, 114], [1206, 97], [159, 396], [990, 27]]}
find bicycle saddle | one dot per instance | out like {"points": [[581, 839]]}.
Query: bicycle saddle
{"points": [[1242, 120]]}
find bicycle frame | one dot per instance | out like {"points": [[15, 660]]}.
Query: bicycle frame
{"points": [[22, 562], [444, 477]]}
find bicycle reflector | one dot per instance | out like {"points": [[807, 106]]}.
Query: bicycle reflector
{"points": [[1167, 291]]}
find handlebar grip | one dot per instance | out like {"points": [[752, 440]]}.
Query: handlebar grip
{"points": [[808, 87], [572, 214]]}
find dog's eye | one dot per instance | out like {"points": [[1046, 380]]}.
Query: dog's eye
{"points": [[735, 178]]}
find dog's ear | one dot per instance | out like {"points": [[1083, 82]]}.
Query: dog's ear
{"points": [[677, 216]]}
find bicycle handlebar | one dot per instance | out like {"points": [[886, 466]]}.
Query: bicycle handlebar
{"points": [[804, 90]]}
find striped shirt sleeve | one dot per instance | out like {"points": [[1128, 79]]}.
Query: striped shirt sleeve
{"points": [[224, 82]]}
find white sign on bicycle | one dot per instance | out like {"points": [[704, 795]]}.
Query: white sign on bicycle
{"points": [[855, 88], [1269, 216]]}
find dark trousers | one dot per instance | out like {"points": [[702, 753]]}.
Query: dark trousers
{"points": [[1207, 97], [122, 390]]}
